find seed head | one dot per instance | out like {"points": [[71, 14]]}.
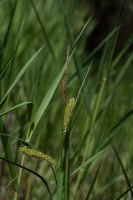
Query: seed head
{"points": [[36, 154], [68, 114]]}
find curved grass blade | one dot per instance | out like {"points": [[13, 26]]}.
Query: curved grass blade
{"points": [[123, 169], [28, 144], [94, 180], [15, 107], [29, 170], [23, 70]]}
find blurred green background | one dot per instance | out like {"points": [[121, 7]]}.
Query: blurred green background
{"points": [[103, 113]]}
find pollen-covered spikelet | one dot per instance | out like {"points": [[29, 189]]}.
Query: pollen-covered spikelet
{"points": [[68, 114], [36, 154]]}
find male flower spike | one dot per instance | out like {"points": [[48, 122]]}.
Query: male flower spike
{"points": [[68, 114]]}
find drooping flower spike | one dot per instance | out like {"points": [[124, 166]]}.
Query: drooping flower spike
{"points": [[36, 154]]}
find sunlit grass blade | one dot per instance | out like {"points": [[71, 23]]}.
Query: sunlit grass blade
{"points": [[93, 181], [123, 169], [15, 107], [33, 172], [8, 153], [21, 73]]}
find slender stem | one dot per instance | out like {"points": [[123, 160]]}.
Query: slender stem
{"points": [[19, 177], [22, 162]]}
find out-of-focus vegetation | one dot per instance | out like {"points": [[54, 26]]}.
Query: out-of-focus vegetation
{"points": [[94, 157]]}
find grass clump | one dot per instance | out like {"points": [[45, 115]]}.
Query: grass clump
{"points": [[88, 137]]}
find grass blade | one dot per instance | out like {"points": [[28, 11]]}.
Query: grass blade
{"points": [[123, 169], [43, 29], [21, 73], [89, 161], [8, 154], [115, 129], [111, 34], [122, 195], [15, 107], [93, 182]]}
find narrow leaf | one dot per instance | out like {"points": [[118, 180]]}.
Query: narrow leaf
{"points": [[23, 70]]}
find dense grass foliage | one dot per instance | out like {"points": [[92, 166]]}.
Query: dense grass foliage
{"points": [[80, 148]]}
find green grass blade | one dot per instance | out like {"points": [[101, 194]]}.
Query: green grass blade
{"points": [[89, 161], [6, 67], [60, 185], [124, 49], [114, 131], [94, 180], [47, 99], [15, 107], [122, 195], [123, 169], [4, 189], [111, 34], [9, 27], [81, 33], [43, 29], [8, 154], [76, 58], [21, 73]]}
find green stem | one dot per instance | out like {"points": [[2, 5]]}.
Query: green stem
{"points": [[22, 162], [19, 177], [66, 193]]}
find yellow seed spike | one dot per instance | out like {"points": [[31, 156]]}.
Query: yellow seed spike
{"points": [[68, 114], [36, 154]]}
